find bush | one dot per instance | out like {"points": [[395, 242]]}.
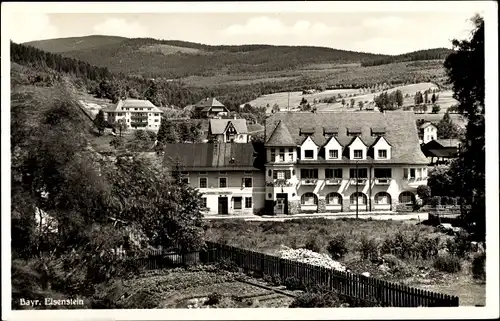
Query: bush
{"points": [[427, 247], [435, 201], [424, 192], [228, 265], [447, 263], [213, 299], [337, 246], [327, 299], [312, 245], [478, 266], [369, 248], [274, 279], [395, 264], [445, 200], [460, 245], [294, 283]]}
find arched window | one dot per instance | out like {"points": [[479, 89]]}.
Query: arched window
{"points": [[362, 200], [309, 199], [382, 198], [406, 197], [334, 199]]}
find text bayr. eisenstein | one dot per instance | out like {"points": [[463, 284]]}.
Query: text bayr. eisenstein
{"points": [[50, 301]]}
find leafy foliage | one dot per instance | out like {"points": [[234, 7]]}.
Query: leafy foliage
{"points": [[446, 128], [337, 246], [447, 263], [465, 70]]}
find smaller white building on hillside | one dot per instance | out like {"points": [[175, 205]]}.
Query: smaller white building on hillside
{"points": [[135, 114]]}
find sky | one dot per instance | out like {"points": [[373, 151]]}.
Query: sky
{"points": [[394, 29]]}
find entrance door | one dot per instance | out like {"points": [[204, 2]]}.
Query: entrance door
{"points": [[223, 205], [281, 203]]}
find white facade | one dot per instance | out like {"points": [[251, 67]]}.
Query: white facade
{"points": [[429, 133], [135, 114]]}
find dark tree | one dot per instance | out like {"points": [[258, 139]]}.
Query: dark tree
{"points": [[465, 70], [446, 128], [99, 122]]}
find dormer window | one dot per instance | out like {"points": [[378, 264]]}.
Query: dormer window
{"points": [[307, 131], [382, 153], [330, 131], [282, 154], [378, 131], [354, 131], [358, 154], [333, 154], [308, 154]]}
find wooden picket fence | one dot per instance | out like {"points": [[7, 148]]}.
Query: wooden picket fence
{"points": [[348, 284], [354, 286]]}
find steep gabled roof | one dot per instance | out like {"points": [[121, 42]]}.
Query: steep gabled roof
{"points": [[280, 136], [133, 103], [401, 130], [380, 138], [209, 102], [426, 124], [450, 142], [218, 126], [354, 139]]}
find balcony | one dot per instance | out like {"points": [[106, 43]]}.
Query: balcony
{"points": [[138, 124], [358, 181], [383, 181], [333, 181], [309, 181], [279, 183], [416, 181]]}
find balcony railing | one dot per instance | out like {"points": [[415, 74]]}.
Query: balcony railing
{"points": [[333, 181], [309, 181], [358, 181], [382, 181], [416, 181], [279, 183]]}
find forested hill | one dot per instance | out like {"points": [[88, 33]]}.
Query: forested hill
{"points": [[175, 59], [428, 54]]}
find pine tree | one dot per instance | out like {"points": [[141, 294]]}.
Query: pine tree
{"points": [[99, 122], [446, 128]]}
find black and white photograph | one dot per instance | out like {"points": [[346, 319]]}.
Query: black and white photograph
{"points": [[249, 160]]}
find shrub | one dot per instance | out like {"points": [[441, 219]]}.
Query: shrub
{"points": [[435, 201], [369, 248], [228, 265], [337, 246], [445, 200], [294, 283], [312, 244], [274, 279], [317, 299], [459, 245], [447, 263], [213, 298], [424, 192], [395, 264], [478, 266], [427, 247]]}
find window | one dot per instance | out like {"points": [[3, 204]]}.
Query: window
{"points": [[282, 154], [412, 173], [248, 202], [185, 180], [334, 199], [382, 153], [334, 154], [333, 173], [204, 202], [273, 155], [308, 153], [237, 203], [157, 114], [359, 197], [358, 153], [222, 182], [203, 182], [309, 173], [283, 174], [362, 173], [157, 120], [405, 173], [290, 155], [419, 172], [382, 198], [269, 172], [383, 172], [309, 199], [150, 115], [247, 182], [406, 197]]}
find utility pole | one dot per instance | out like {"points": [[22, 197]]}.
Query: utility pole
{"points": [[357, 196]]}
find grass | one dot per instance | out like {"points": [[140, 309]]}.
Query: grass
{"points": [[268, 237]]}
